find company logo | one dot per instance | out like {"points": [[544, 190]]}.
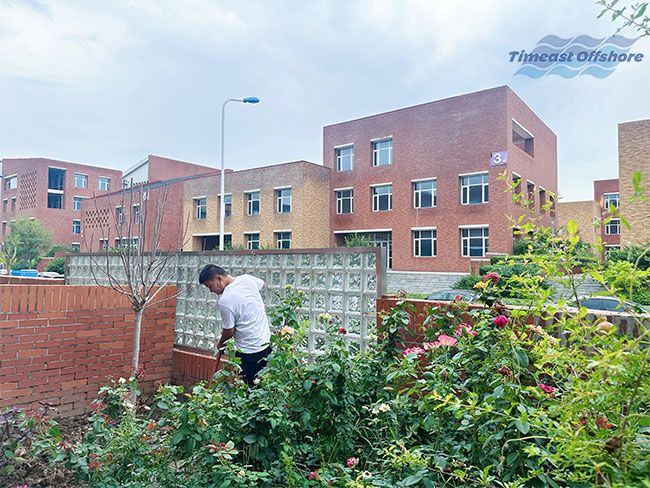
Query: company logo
{"points": [[582, 55]]}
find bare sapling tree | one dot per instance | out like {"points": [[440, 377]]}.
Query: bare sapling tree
{"points": [[8, 254], [136, 266]]}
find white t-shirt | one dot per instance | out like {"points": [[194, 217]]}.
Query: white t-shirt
{"points": [[241, 307]]}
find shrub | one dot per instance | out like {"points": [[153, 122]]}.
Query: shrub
{"points": [[467, 282], [632, 254], [57, 265]]}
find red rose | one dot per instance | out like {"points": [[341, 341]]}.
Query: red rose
{"points": [[501, 321]]}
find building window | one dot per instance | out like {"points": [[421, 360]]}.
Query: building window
{"points": [[104, 183], [75, 247], [283, 197], [382, 198], [344, 201], [542, 200], [522, 138], [227, 199], [610, 201], [4, 228], [382, 152], [283, 240], [253, 241], [474, 241], [55, 179], [344, 158], [103, 244], [425, 243], [137, 214], [80, 181], [253, 203], [474, 188], [54, 200], [76, 226], [425, 194], [76, 203], [613, 227], [11, 182], [125, 242], [530, 194], [13, 204], [200, 208], [119, 215], [610, 248], [5, 205]]}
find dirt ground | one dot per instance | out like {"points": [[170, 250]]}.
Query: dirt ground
{"points": [[38, 474]]}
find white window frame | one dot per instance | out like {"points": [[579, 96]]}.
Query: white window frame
{"points": [[465, 188], [340, 199], [279, 199], [76, 198], [11, 182], [99, 183], [339, 157], [198, 206], [278, 238], [611, 247], [376, 151], [250, 202], [485, 240], [76, 221], [607, 202], [417, 194], [226, 203], [613, 224], [77, 245], [137, 213], [119, 215], [103, 244], [376, 197], [248, 240], [417, 241], [74, 179]]}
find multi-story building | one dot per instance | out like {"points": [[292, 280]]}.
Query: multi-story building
{"points": [[430, 182], [281, 206], [600, 219], [52, 192], [607, 221], [634, 157], [149, 202]]}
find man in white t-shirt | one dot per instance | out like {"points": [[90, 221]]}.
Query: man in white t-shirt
{"points": [[243, 316]]}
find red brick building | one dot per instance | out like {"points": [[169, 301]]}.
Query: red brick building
{"points": [[53, 193], [424, 180], [157, 182], [606, 199]]}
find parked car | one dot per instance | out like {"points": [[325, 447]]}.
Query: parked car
{"points": [[450, 295], [609, 304], [50, 274]]}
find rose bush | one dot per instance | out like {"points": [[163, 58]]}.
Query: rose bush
{"points": [[487, 399]]}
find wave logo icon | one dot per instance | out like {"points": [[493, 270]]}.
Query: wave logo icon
{"points": [[581, 55]]}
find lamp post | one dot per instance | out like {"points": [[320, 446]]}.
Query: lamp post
{"points": [[222, 197]]}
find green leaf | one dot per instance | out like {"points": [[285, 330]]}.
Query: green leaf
{"points": [[250, 439], [413, 479], [522, 426], [498, 392], [307, 385], [9, 454], [177, 437], [55, 431]]}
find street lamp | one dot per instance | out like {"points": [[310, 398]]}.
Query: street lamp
{"points": [[222, 198]]}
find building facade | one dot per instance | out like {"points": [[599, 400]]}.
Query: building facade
{"points": [[281, 206], [52, 192], [582, 212], [158, 168], [431, 182], [634, 157], [606, 203]]}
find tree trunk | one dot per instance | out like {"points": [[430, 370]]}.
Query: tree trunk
{"points": [[136, 340]]}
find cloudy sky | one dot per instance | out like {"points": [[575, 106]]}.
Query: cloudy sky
{"points": [[108, 82]]}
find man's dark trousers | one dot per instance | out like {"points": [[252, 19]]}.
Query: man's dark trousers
{"points": [[253, 363]]}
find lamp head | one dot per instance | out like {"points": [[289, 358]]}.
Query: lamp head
{"points": [[251, 100]]}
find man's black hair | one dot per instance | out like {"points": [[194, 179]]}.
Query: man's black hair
{"points": [[209, 272]]}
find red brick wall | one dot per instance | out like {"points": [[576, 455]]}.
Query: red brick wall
{"points": [[191, 366], [20, 280], [31, 194], [59, 344], [441, 139], [600, 188]]}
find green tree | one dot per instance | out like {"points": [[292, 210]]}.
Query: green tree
{"points": [[30, 239], [57, 265], [632, 15]]}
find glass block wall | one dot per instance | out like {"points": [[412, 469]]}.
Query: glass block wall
{"points": [[344, 282]]}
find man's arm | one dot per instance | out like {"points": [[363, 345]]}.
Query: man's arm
{"points": [[225, 335], [227, 327], [259, 282]]}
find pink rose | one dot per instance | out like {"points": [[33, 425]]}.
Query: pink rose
{"points": [[431, 345], [352, 462], [492, 276], [446, 340], [547, 388], [501, 321], [413, 350], [465, 328], [458, 298]]}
